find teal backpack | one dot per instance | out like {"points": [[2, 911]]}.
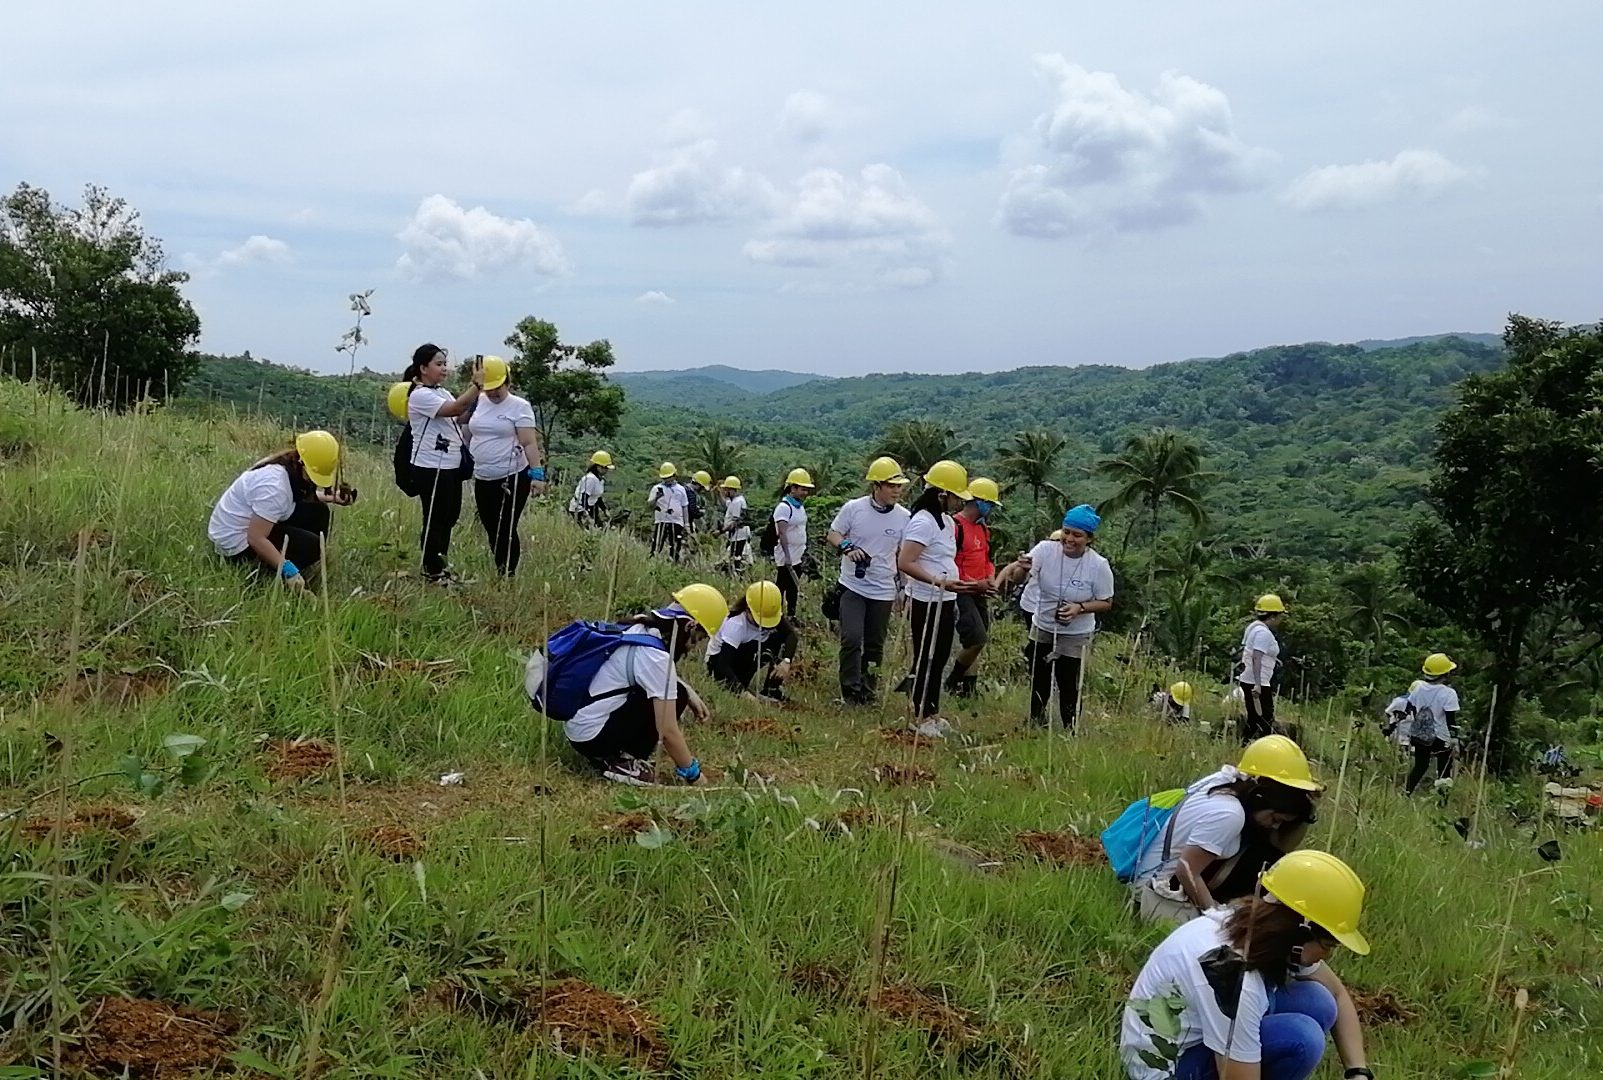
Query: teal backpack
{"points": [[1133, 831]]}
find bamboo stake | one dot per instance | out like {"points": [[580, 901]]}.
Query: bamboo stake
{"points": [[1486, 753]]}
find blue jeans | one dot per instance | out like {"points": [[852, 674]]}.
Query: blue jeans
{"points": [[1293, 1033]]}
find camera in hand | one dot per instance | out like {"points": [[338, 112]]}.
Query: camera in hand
{"points": [[861, 567], [347, 494]]}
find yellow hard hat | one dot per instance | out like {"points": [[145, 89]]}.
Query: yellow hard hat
{"points": [[705, 604], [1277, 758], [983, 487], [884, 470], [666, 469], [1269, 602], [1415, 685], [495, 372], [765, 603], [1322, 889], [1181, 692], [1056, 534], [702, 477], [602, 458], [799, 478], [320, 456], [1437, 664], [731, 482], [396, 399], [949, 476]]}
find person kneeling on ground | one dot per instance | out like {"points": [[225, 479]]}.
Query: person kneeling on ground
{"points": [[757, 636], [1257, 998], [1175, 703], [275, 514], [636, 697]]}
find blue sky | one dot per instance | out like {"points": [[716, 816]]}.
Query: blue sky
{"points": [[834, 187]]}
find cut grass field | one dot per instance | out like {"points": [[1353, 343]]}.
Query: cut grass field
{"points": [[300, 896]]}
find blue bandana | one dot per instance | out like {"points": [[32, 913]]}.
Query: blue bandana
{"points": [[1083, 517]]}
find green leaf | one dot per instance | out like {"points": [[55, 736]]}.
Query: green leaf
{"points": [[131, 767], [235, 900], [181, 746], [150, 785], [1478, 1068], [250, 1059], [654, 837], [194, 771]]}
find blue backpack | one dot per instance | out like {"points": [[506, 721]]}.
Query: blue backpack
{"points": [[558, 679], [1134, 831]]}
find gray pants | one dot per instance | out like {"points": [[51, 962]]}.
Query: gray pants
{"points": [[863, 624]]}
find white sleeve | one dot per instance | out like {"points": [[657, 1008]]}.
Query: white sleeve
{"points": [[920, 530], [1241, 1040], [1217, 826], [524, 417], [654, 673], [1102, 585], [425, 403], [272, 499], [1449, 700], [843, 522]]}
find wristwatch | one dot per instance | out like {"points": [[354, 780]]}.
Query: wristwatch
{"points": [[1358, 1070]]}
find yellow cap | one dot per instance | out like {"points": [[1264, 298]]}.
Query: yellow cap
{"points": [[667, 469], [320, 456], [766, 604], [1277, 758], [799, 478], [884, 470], [731, 482], [705, 604], [949, 476], [1268, 603], [983, 487], [1322, 889], [396, 399], [602, 458], [1437, 664]]}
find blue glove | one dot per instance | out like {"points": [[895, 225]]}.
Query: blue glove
{"points": [[537, 472], [690, 773], [288, 570]]}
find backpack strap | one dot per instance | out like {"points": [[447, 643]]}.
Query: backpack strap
{"points": [[1168, 832]]}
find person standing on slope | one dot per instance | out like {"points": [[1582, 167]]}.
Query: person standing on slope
{"points": [[697, 494], [756, 637], [438, 451], [973, 533], [1030, 594], [508, 464], [928, 564], [588, 500], [866, 532], [1260, 657], [1430, 728], [735, 527], [275, 515], [790, 536], [669, 507]]}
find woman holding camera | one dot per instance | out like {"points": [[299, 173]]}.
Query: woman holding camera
{"points": [[437, 451]]}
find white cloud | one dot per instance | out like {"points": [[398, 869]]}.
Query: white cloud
{"points": [[1109, 158], [445, 241], [1473, 118], [871, 222], [593, 203], [805, 116], [688, 186], [1412, 174], [655, 298], [254, 251]]}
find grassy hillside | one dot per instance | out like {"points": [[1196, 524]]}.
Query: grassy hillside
{"points": [[345, 915]]}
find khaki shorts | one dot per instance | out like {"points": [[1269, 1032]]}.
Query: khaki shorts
{"points": [[1154, 904]]}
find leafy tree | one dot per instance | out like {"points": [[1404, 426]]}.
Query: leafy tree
{"points": [[90, 292], [918, 444], [1158, 469], [711, 448], [1517, 497], [1373, 603], [1031, 461], [566, 384]]}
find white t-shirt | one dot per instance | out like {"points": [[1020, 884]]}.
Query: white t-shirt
{"points": [[733, 512], [628, 666], [586, 493], [939, 557], [1259, 638], [1211, 822], [436, 440], [263, 493], [878, 532], [669, 503], [494, 426], [1177, 964], [736, 631], [1060, 580], [1432, 702], [791, 526]]}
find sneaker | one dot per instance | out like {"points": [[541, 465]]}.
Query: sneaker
{"points": [[631, 771]]}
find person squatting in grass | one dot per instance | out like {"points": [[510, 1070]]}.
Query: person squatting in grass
{"points": [[1431, 724], [670, 506], [928, 564], [972, 527], [508, 463], [1073, 584], [588, 501], [1174, 704], [636, 696], [437, 450], [735, 527], [1250, 986], [756, 637], [866, 531], [275, 515], [790, 536], [1260, 656]]}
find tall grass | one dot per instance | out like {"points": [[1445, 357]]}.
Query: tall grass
{"points": [[334, 961]]}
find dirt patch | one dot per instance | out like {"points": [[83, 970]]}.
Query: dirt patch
{"points": [[1379, 1007], [947, 1024], [824, 980], [394, 842], [300, 759], [129, 686], [581, 1018], [150, 1040], [1062, 848], [903, 775], [901, 736], [858, 817], [759, 725], [621, 826], [102, 818]]}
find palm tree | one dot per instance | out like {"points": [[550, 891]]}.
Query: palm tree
{"points": [[1031, 461], [722, 457], [1194, 564], [918, 444], [1158, 469], [1372, 602]]}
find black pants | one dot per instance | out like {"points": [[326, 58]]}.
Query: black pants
{"points": [[1424, 750], [789, 587], [734, 668], [737, 551], [669, 536], [630, 730], [500, 505], [863, 623], [440, 493], [1260, 719], [301, 537], [933, 626], [1043, 670]]}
